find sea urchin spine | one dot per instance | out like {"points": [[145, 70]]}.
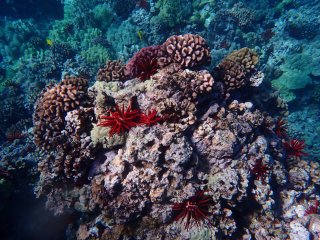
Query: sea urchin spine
{"points": [[121, 120], [294, 148], [195, 208]]}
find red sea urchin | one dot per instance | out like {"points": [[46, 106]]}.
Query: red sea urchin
{"points": [[195, 208], [313, 209], [281, 128], [147, 68], [150, 118], [121, 120], [260, 170], [144, 63], [294, 148]]}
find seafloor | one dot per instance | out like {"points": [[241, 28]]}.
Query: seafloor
{"points": [[167, 119]]}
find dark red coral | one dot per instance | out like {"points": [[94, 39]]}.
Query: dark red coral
{"points": [[121, 120], [144, 63], [260, 170], [294, 148], [281, 128], [150, 118], [195, 210]]}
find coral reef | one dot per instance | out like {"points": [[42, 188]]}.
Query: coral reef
{"points": [[172, 156], [211, 135], [171, 12]]}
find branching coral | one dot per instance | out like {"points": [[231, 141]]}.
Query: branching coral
{"points": [[112, 71], [237, 68], [187, 50], [52, 106]]}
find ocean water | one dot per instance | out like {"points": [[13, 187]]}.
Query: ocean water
{"points": [[159, 119]]}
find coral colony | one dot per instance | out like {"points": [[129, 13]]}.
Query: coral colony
{"points": [[155, 155]]}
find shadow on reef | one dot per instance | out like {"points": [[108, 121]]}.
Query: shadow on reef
{"points": [[24, 217]]}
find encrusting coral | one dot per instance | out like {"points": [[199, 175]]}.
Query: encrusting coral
{"points": [[171, 157]]}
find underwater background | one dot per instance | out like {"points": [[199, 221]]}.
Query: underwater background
{"points": [[159, 119]]}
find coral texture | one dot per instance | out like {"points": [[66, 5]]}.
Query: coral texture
{"points": [[237, 68], [112, 71], [52, 106], [187, 50]]}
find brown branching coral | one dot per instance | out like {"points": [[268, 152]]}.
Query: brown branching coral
{"points": [[187, 50], [74, 154], [176, 95], [237, 68], [51, 108], [112, 71]]}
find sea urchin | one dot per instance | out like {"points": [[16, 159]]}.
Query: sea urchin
{"points": [[121, 120], [260, 170], [294, 148], [281, 128], [195, 208], [150, 118]]}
